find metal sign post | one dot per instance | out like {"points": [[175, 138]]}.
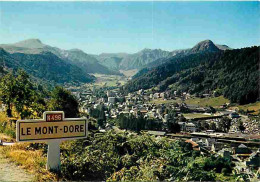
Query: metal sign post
{"points": [[53, 129]]}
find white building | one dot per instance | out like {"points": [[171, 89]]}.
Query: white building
{"points": [[156, 95], [190, 127], [162, 95], [111, 100]]}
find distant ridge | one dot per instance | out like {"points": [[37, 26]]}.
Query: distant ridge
{"points": [[154, 57], [30, 43], [223, 47], [89, 64], [110, 63]]}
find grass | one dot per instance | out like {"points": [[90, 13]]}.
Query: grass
{"points": [[6, 138], [129, 73], [251, 107], [211, 101], [195, 115], [222, 177], [109, 80], [3, 116], [32, 160], [5, 126], [202, 102], [162, 101], [218, 101]]}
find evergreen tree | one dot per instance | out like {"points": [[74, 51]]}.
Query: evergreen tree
{"points": [[25, 92], [8, 92], [224, 124], [241, 126]]}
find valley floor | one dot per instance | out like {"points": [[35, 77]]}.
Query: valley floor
{"points": [[109, 80]]}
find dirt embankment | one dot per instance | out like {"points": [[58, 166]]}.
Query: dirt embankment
{"points": [[11, 172]]}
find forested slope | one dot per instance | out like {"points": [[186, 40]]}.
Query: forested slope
{"points": [[45, 66], [233, 73]]}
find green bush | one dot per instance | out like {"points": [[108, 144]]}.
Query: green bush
{"points": [[125, 156], [6, 129]]}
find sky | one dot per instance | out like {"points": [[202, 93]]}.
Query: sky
{"points": [[111, 27]]}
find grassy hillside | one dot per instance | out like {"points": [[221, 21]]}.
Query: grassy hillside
{"points": [[252, 108], [129, 73], [210, 101]]}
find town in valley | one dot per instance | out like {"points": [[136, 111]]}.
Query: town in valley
{"points": [[130, 91]]}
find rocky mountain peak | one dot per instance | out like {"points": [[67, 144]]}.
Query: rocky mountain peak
{"points": [[30, 43], [206, 45]]}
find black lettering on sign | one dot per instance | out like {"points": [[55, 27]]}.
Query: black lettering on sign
{"points": [[76, 128], [38, 130], [65, 130], [44, 130], [28, 131], [23, 132], [50, 129], [56, 128], [71, 128], [81, 128]]}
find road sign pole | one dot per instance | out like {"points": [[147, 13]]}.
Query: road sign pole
{"points": [[53, 156]]}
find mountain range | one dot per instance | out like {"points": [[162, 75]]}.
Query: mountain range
{"points": [[107, 63], [153, 57], [74, 56], [34, 56], [204, 68]]}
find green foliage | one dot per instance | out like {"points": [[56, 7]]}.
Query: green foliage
{"points": [[18, 91], [212, 126], [241, 126], [99, 114], [8, 130], [172, 123], [8, 91], [24, 94], [203, 125], [137, 124], [224, 124], [29, 100], [173, 127], [233, 73], [132, 157], [6, 126], [46, 66], [63, 100]]}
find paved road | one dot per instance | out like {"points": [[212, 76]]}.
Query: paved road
{"points": [[10, 172]]}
